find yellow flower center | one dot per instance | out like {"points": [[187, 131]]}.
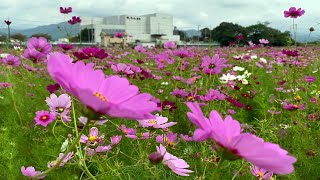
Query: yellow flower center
{"points": [[152, 121], [92, 138], [43, 118], [161, 60], [260, 174], [100, 96]]}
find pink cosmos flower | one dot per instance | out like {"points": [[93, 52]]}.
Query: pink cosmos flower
{"points": [[169, 45], [11, 60], [234, 144], [40, 44], [4, 85], [313, 117], [112, 95], [157, 122], [170, 139], [186, 137], [182, 53], [31, 172], [213, 65], [66, 47], [63, 162], [179, 93], [58, 104], [178, 166], [260, 173], [44, 118], [33, 55], [127, 131], [115, 139], [196, 117], [310, 79], [293, 12], [122, 68], [212, 95], [139, 48], [263, 41]]}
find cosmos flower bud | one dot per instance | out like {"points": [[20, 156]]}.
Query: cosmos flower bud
{"points": [[155, 158], [311, 29]]}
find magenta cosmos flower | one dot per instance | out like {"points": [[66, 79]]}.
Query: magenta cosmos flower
{"points": [[8, 22], [119, 34], [44, 118], [11, 60], [30, 172], [65, 10], [66, 47], [178, 166], [213, 65], [113, 95], [293, 12], [74, 20], [310, 79], [234, 144]]}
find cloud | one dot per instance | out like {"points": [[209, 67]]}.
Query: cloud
{"points": [[188, 14]]}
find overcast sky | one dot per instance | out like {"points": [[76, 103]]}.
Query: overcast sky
{"points": [[188, 14]]}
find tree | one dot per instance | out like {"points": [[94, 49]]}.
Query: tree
{"points": [[19, 36], [205, 34], [262, 31], [226, 32], [47, 36]]}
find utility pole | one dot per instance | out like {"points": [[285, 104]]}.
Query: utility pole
{"points": [[199, 35]]}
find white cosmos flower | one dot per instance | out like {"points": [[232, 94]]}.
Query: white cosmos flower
{"points": [[247, 74], [237, 68], [263, 60], [164, 83], [254, 57], [227, 77]]}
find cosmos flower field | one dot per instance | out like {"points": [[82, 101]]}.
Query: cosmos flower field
{"points": [[161, 113], [76, 112]]}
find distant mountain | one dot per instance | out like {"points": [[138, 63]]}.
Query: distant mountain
{"points": [[55, 30], [192, 32]]}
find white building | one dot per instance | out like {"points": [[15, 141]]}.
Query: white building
{"points": [[146, 28]]}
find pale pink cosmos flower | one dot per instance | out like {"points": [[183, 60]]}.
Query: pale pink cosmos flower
{"points": [[58, 104], [121, 68], [178, 166], [234, 144], [115, 139], [260, 173], [31, 172], [112, 95], [94, 142], [186, 137], [157, 122], [263, 41], [170, 139], [63, 162]]}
